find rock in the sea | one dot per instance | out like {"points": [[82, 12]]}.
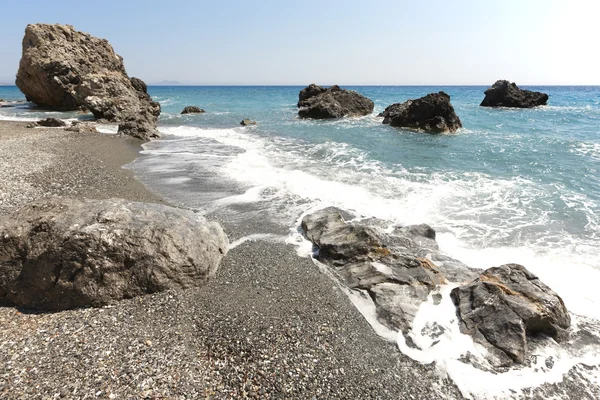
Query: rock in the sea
{"points": [[65, 69], [506, 94], [82, 127], [58, 254], [192, 110], [319, 103], [432, 114], [308, 92], [507, 305], [391, 270], [247, 122]]}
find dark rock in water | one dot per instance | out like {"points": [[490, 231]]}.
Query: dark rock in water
{"points": [[332, 103], [308, 92], [64, 69], [82, 127], [192, 110], [507, 305], [391, 270], [432, 114], [506, 94], [247, 122], [59, 254]]}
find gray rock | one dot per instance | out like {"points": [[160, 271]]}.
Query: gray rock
{"points": [[432, 114], [506, 94], [319, 103], [192, 110], [397, 280], [247, 122], [58, 254], [82, 127], [507, 305], [64, 69]]}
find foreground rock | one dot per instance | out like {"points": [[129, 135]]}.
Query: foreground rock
{"points": [[319, 103], [59, 254], [82, 127], [65, 69], [192, 110], [247, 122], [507, 305], [393, 270], [432, 114], [49, 123], [506, 94]]}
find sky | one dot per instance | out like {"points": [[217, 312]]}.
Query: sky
{"points": [[350, 42]]}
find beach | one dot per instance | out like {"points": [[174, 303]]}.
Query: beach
{"points": [[270, 325]]}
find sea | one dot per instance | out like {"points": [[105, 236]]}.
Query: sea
{"points": [[512, 186]]}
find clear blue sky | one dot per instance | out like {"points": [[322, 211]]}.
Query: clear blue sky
{"points": [[347, 42]]}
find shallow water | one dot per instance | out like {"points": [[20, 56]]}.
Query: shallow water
{"points": [[516, 186]]}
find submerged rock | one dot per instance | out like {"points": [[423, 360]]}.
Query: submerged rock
{"points": [[65, 69], [507, 305], [432, 114], [319, 103], [247, 122], [506, 94], [59, 254], [192, 110]]}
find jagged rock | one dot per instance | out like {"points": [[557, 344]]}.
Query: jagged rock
{"points": [[506, 94], [247, 122], [65, 69], [432, 114], [319, 103], [504, 307], [82, 127], [308, 92], [192, 110], [58, 254], [48, 122], [396, 277]]}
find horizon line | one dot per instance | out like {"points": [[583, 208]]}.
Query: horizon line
{"points": [[352, 84]]}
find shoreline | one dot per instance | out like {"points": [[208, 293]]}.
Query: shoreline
{"points": [[269, 325]]}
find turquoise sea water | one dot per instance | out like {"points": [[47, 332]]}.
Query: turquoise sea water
{"points": [[517, 185]]}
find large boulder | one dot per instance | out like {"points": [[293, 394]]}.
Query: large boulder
{"points": [[58, 254], [504, 307], [319, 103], [506, 94], [65, 69], [432, 114], [392, 269]]}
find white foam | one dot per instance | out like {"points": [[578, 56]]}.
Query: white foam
{"points": [[267, 237]]}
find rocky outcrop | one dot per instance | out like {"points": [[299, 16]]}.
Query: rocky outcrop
{"points": [[506, 94], [319, 103], [432, 114], [82, 127], [58, 254], [49, 123], [311, 90], [504, 307], [65, 69], [392, 269], [247, 122], [192, 110]]}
